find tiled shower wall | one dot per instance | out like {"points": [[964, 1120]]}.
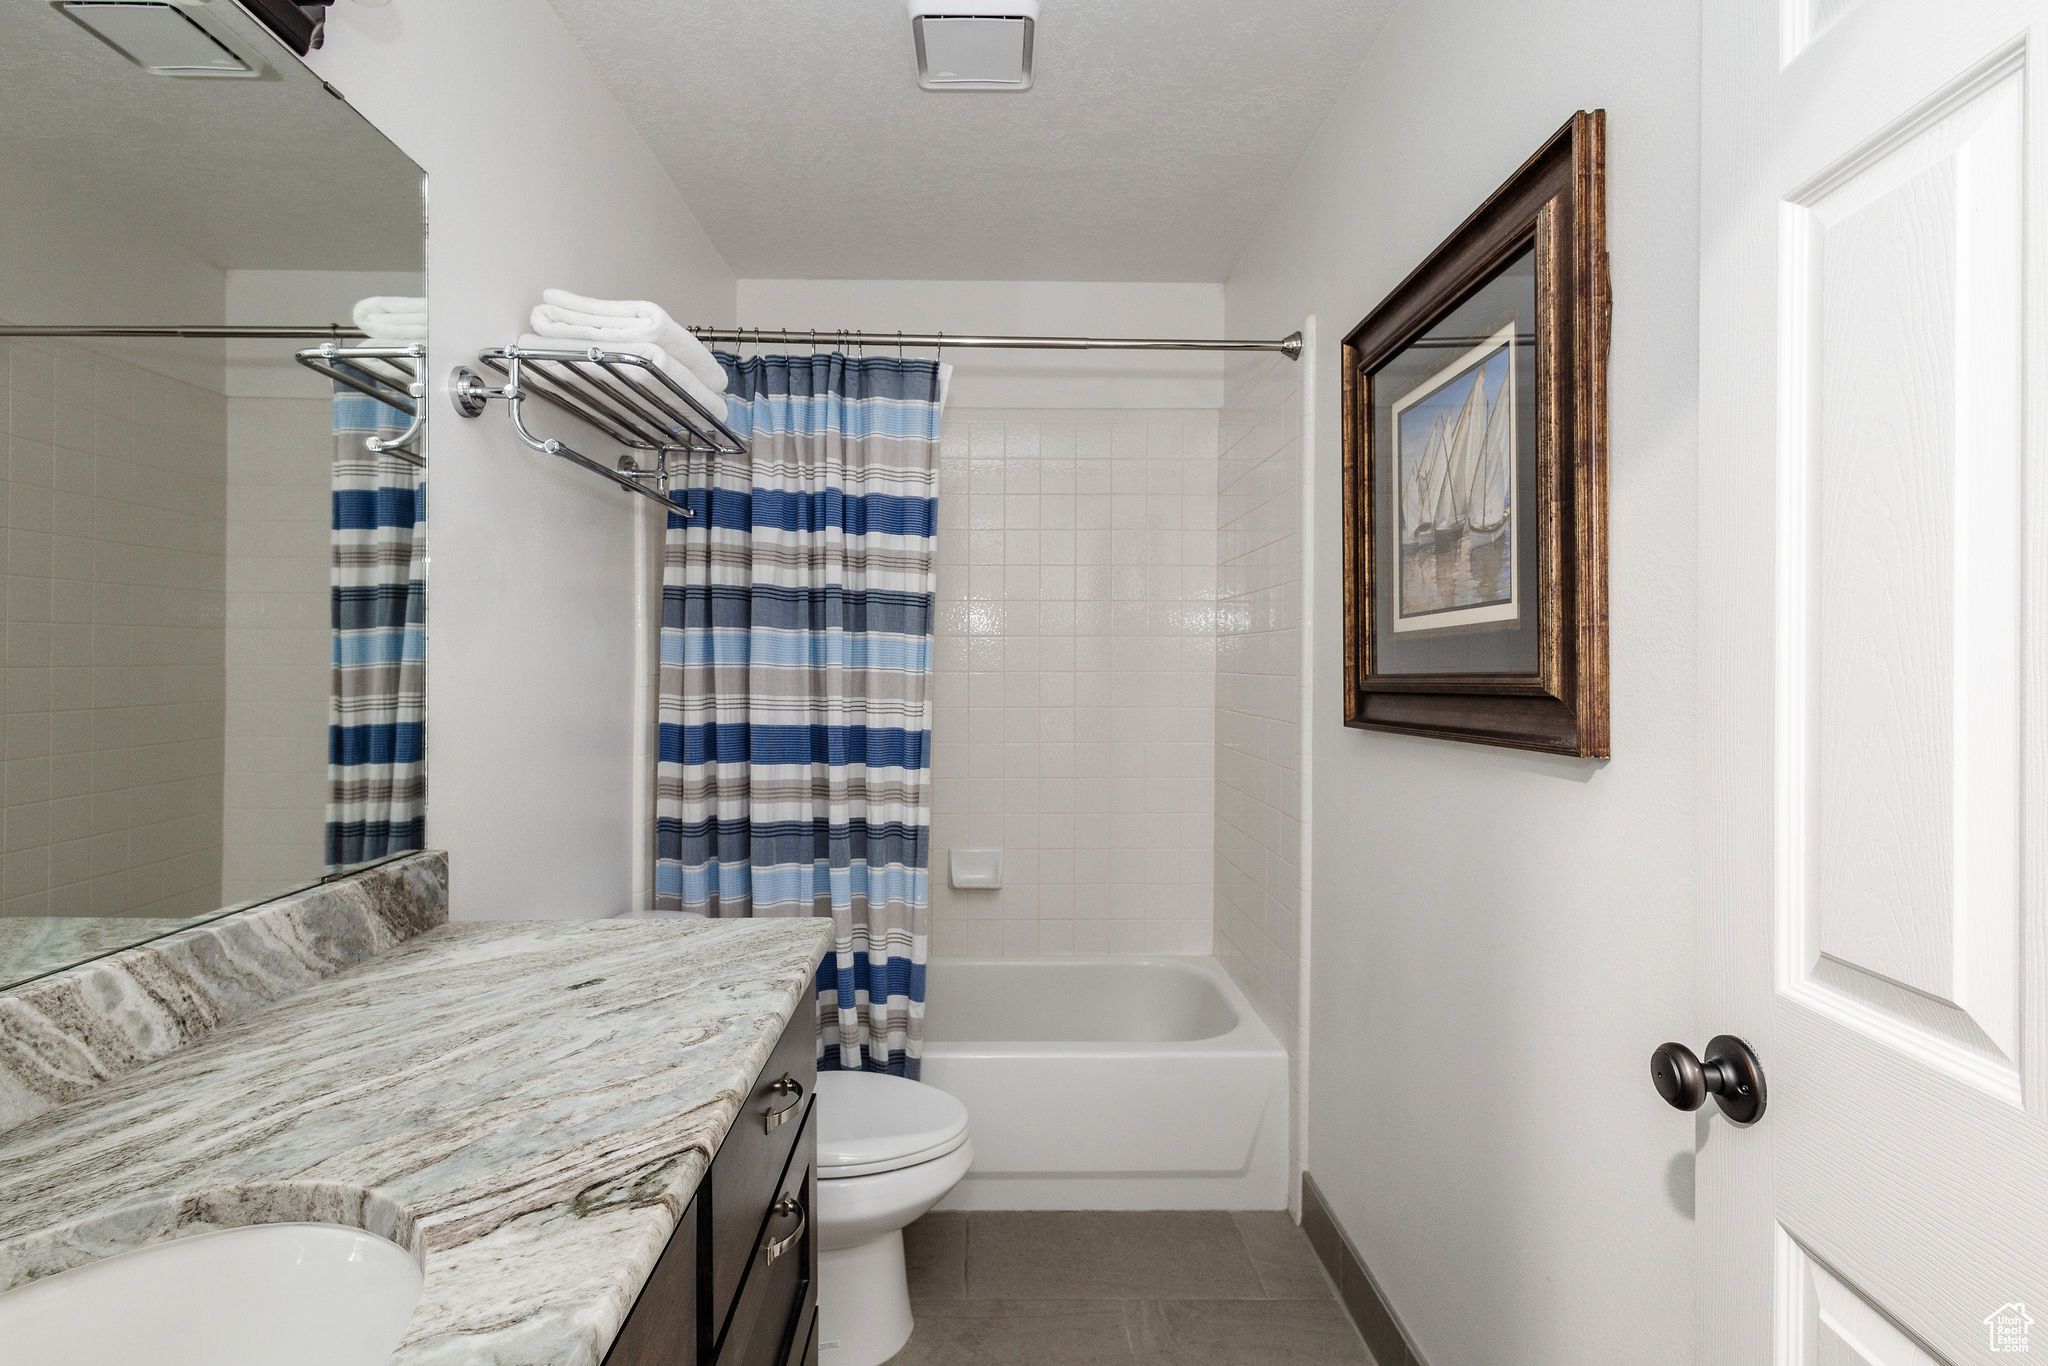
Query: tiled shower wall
{"points": [[1258, 687], [115, 555], [1074, 681]]}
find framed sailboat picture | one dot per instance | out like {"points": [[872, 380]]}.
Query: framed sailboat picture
{"points": [[1475, 473], [1454, 463]]}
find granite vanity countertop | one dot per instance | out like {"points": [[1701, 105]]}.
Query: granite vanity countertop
{"points": [[527, 1106]]}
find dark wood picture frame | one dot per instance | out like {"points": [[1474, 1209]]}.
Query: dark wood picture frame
{"points": [[1556, 203]]}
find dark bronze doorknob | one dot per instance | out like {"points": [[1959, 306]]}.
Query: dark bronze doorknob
{"points": [[1729, 1073]]}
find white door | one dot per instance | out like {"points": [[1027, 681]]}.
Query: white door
{"points": [[1873, 678]]}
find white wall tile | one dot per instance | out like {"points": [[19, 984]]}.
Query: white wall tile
{"points": [[116, 489], [1257, 687], [1073, 686]]}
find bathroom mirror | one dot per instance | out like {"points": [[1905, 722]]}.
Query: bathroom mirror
{"points": [[214, 606]]}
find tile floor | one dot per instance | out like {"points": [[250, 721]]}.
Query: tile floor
{"points": [[1114, 1289]]}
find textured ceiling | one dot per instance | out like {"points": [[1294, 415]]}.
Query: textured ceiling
{"points": [[1155, 137], [256, 174]]}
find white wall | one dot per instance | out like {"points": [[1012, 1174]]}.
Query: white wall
{"points": [[279, 643], [1500, 938], [538, 710]]}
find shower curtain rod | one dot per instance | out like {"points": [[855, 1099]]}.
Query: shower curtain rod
{"points": [[1289, 346], [202, 331]]}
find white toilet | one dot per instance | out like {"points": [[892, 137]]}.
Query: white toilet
{"points": [[888, 1150]]}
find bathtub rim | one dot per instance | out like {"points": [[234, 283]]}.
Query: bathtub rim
{"points": [[1249, 1036]]}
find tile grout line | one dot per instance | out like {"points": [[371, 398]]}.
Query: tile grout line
{"points": [[966, 1254]]}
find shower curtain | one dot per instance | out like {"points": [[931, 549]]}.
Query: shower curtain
{"points": [[796, 646], [376, 707]]}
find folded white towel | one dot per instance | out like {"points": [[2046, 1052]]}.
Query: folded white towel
{"points": [[663, 361], [607, 321], [392, 317]]}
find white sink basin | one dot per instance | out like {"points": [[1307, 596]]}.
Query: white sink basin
{"points": [[265, 1295]]}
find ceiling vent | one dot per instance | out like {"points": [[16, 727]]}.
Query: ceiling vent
{"points": [[973, 44], [162, 38]]}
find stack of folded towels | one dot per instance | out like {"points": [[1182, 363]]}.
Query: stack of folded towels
{"points": [[633, 326], [392, 319]]}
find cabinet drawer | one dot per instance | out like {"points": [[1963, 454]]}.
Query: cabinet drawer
{"points": [[742, 1182], [778, 1285]]}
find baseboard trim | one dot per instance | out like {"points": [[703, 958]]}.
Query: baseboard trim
{"points": [[1359, 1293]]}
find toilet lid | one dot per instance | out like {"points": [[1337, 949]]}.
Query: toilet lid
{"points": [[869, 1122]]}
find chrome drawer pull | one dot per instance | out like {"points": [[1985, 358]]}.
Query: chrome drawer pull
{"points": [[771, 1248], [785, 1085]]}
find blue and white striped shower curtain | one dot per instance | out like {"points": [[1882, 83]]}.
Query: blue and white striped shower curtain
{"points": [[795, 716], [376, 708]]}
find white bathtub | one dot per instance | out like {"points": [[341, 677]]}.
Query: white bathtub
{"points": [[1108, 1083]]}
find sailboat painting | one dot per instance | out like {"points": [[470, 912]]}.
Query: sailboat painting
{"points": [[1455, 464]]}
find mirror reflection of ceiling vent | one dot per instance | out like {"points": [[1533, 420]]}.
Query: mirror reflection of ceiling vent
{"points": [[974, 44], [162, 38]]}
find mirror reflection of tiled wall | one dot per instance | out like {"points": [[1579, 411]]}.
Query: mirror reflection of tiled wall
{"points": [[116, 559]]}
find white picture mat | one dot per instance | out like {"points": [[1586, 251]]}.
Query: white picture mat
{"points": [[1448, 373]]}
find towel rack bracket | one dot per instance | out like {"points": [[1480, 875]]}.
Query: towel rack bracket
{"points": [[623, 395], [469, 392]]}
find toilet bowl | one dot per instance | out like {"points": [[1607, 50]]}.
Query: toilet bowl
{"points": [[888, 1150]]}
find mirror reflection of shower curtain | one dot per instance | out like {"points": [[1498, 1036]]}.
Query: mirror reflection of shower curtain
{"points": [[376, 709]]}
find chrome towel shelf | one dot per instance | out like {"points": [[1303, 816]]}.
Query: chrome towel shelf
{"points": [[622, 395], [389, 374]]}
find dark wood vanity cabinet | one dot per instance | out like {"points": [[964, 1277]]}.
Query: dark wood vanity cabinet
{"points": [[737, 1284]]}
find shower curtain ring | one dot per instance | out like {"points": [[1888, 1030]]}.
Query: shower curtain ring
{"points": [[899, 344]]}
